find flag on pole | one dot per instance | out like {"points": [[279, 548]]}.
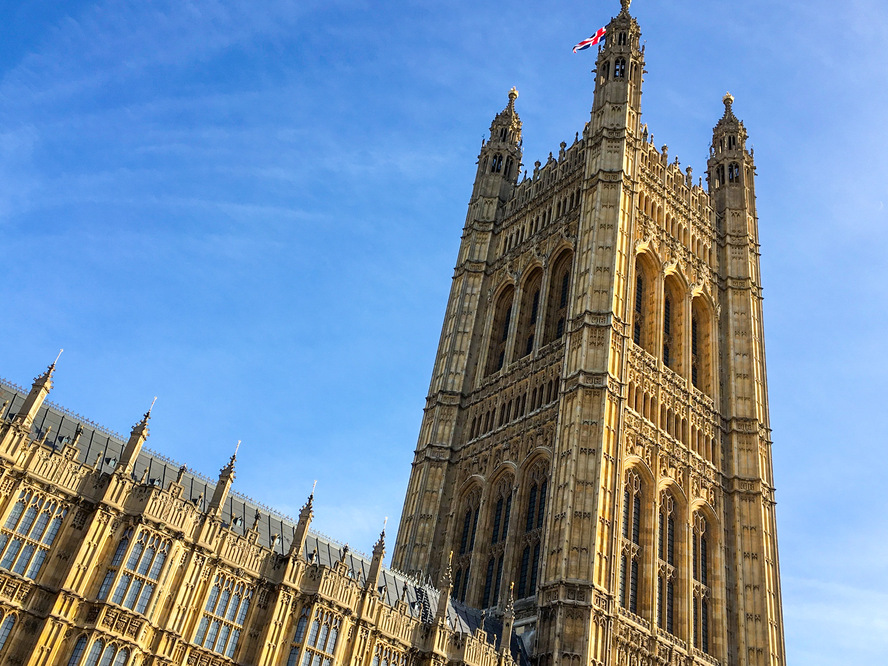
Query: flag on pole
{"points": [[592, 41]]}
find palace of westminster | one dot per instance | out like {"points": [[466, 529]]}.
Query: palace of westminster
{"points": [[592, 482]]}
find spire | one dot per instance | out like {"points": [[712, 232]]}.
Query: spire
{"points": [[301, 529], [506, 127], [376, 562], [446, 588], [133, 447], [223, 485], [619, 72], [39, 390]]}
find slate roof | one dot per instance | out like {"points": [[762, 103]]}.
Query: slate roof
{"points": [[239, 513]]}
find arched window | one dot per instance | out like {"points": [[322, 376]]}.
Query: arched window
{"points": [[605, 71], [92, 658], [701, 346], [667, 575], [534, 515], [559, 292], [122, 658], [529, 314], [29, 533], [642, 303], [622, 39], [673, 324], [499, 332], [720, 175], [496, 164], [633, 551], [469, 519], [224, 615], [733, 172], [77, 652], [508, 171], [6, 629], [702, 591], [620, 68]]}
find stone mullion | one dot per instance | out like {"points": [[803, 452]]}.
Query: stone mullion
{"points": [[510, 549]]}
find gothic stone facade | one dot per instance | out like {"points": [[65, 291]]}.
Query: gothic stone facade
{"points": [[597, 429], [111, 555]]}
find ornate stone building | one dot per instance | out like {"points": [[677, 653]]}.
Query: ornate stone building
{"points": [[596, 431], [111, 555]]}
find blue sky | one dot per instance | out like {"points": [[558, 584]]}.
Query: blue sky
{"points": [[252, 211]]}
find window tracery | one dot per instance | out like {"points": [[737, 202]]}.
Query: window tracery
{"points": [[469, 517], [29, 533], [632, 555], [534, 515], [138, 578], [224, 615], [666, 571], [702, 591]]}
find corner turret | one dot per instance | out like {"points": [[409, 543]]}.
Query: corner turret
{"points": [[500, 158]]}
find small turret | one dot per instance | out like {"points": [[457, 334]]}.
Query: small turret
{"points": [[39, 390], [133, 447], [446, 588], [500, 157], [301, 530], [508, 620], [223, 485], [376, 562]]}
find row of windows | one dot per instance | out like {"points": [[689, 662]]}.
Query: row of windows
{"points": [[645, 405], [733, 174], [100, 654], [528, 302], [672, 582], [526, 403], [619, 70], [684, 349], [671, 225], [320, 647], [529, 534], [561, 207], [498, 165]]}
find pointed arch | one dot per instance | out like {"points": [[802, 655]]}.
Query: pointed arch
{"points": [[671, 507], [558, 311], [529, 313], [702, 336], [673, 318], [643, 302], [499, 329]]}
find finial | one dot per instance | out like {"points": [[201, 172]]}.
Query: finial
{"points": [[148, 413], [513, 95], [728, 99], [625, 4], [57, 358], [313, 486]]}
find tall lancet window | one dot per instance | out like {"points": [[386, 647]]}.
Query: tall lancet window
{"points": [[559, 292], [536, 482], [529, 314], [702, 581], [468, 528], [701, 346], [632, 550], [499, 331], [666, 572], [502, 513], [673, 316]]}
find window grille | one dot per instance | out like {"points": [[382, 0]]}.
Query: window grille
{"points": [[29, 532]]}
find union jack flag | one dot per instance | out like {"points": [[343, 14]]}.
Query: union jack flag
{"points": [[592, 41]]}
